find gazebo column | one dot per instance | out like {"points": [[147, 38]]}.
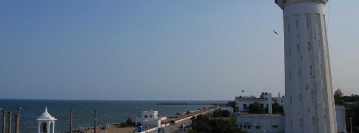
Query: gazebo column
{"points": [[48, 127], [39, 126], [53, 126]]}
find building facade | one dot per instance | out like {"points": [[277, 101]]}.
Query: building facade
{"points": [[309, 106], [149, 119]]}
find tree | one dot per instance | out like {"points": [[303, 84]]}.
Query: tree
{"points": [[223, 113], [353, 112], [256, 108], [202, 124], [130, 122], [277, 109], [188, 112]]}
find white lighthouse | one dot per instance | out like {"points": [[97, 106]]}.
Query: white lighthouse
{"points": [[309, 106]]}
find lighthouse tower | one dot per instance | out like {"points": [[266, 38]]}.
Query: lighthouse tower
{"points": [[309, 106]]}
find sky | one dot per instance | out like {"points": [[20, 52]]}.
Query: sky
{"points": [[157, 49]]}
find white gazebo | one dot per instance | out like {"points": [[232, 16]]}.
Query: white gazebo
{"points": [[48, 119]]}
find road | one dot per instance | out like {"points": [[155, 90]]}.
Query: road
{"points": [[176, 128]]}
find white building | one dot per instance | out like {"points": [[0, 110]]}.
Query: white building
{"points": [[308, 82], [275, 123], [265, 100], [340, 110], [229, 109], [259, 123], [149, 119]]}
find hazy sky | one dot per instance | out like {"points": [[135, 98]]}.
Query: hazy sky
{"points": [[157, 49]]}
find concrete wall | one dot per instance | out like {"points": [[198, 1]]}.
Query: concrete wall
{"points": [[340, 110]]}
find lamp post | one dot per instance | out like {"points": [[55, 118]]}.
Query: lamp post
{"points": [[4, 121], [95, 120], [71, 120], [9, 125], [351, 125]]}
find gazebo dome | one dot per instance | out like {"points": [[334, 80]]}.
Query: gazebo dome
{"points": [[339, 92], [46, 116]]}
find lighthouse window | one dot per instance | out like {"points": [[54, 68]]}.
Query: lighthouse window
{"points": [[298, 48], [309, 46], [296, 24], [311, 70], [301, 122], [298, 72], [313, 119]]}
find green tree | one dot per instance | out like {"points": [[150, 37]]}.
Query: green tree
{"points": [[202, 124], [256, 108], [130, 122], [277, 109]]}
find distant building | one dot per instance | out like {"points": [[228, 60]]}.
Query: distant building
{"points": [[149, 119], [265, 100], [272, 123], [258, 123], [229, 109], [339, 93]]}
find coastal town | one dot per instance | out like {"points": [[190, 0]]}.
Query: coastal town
{"points": [[310, 102]]}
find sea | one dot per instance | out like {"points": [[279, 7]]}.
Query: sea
{"points": [[112, 112]]}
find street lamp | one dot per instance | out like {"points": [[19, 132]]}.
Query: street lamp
{"points": [[351, 125]]}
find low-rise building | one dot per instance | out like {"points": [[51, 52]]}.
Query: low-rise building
{"points": [[258, 123], [149, 119]]}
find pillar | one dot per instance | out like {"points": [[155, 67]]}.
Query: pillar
{"points": [[270, 102], [4, 122], [39, 126], [95, 121], [16, 117], [17, 125], [9, 123], [71, 120], [53, 126], [309, 104], [48, 124]]}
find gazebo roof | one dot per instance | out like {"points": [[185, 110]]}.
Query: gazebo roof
{"points": [[46, 116]]}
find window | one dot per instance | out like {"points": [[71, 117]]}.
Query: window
{"points": [[258, 127], [309, 46], [296, 24], [150, 116], [244, 106], [313, 119], [298, 72], [245, 126], [310, 70], [301, 122], [298, 48], [300, 97], [288, 28], [145, 116], [249, 127]]}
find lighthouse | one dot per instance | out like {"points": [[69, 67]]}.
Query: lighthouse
{"points": [[309, 106]]}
